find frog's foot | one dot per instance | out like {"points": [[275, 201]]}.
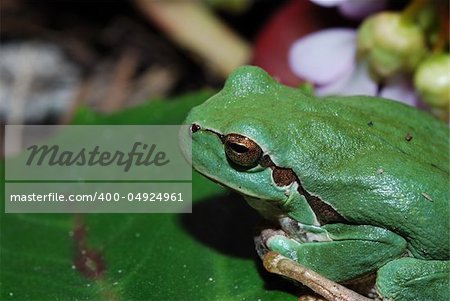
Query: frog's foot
{"points": [[336, 252], [408, 279], [261, 240]]}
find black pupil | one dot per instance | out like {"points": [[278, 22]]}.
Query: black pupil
{"points": [[238, 148]]}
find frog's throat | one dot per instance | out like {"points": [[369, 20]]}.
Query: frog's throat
{"points": [[325, 214]]}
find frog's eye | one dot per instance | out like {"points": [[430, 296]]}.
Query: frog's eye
{"points": [[242, 150]]}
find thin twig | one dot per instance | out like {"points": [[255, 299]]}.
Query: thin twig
{"points": [[278, 264], [124, 71]]}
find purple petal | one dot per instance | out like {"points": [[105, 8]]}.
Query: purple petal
{"points": [[400, 89], [324, 56], [357, 82], [328, 3], [358, 10]]}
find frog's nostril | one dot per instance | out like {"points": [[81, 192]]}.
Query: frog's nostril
{"points": [[195, 128]]}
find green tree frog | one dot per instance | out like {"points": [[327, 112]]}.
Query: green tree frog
{"points": [[357, 184]]}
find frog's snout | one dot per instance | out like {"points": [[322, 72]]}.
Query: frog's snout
{"points": [[185, 142]]}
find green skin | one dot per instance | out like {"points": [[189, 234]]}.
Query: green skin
{"points": [[381, 165]]}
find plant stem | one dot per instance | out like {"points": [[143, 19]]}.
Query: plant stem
{"points": [[278, 264], [413, 9], [443, 34]]}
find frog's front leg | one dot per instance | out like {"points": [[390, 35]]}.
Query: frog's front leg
{"points": [[408, 279], [349, 252]]}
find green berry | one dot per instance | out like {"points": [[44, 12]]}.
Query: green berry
{"points": [[391, 44], [432, 80]]}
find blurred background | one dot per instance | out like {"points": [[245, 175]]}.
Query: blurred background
{"points": [[56, 55], [109, 55]]}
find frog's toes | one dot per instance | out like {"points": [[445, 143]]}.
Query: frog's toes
{"points": [[283, 245], [278, 241], [373, 294], [261, 240], [289, 225], [266, 234]]}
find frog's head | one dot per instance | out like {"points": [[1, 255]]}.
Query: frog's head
{"points": [[236, 136]]}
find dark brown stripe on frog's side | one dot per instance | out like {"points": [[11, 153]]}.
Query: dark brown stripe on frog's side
{"points": [[285, 176]]}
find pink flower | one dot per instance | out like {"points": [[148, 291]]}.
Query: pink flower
{"points": [[327, 59], [354, 9]]}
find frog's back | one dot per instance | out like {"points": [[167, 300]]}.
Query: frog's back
{"points": [[408, 129]]}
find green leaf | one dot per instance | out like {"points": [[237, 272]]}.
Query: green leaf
{"points": [[206, 255]]}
